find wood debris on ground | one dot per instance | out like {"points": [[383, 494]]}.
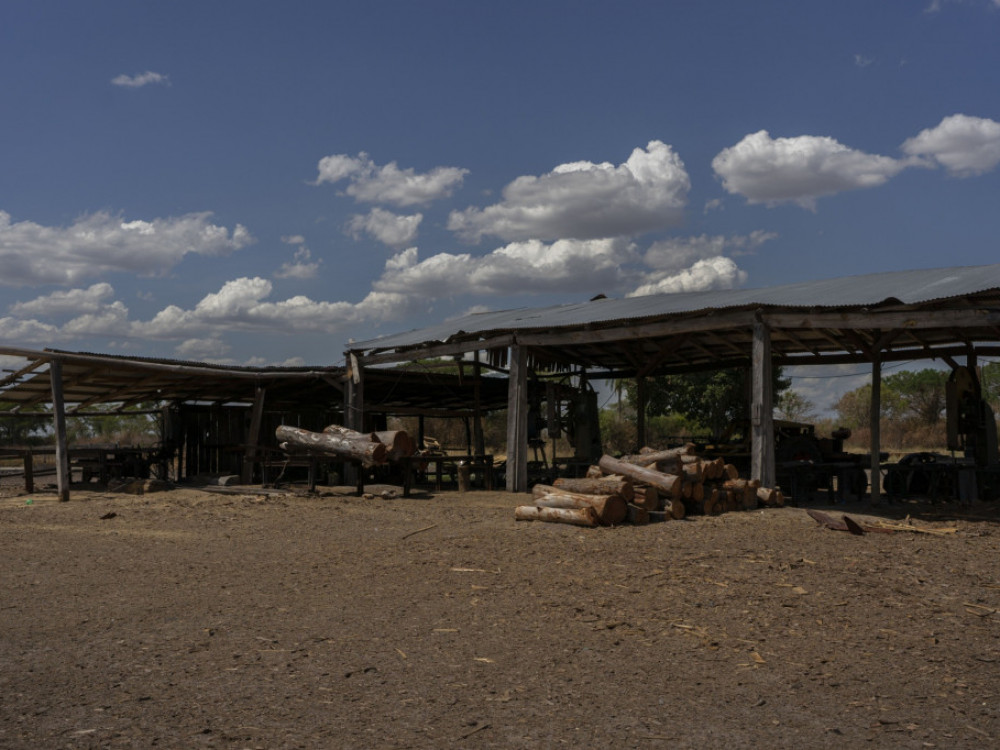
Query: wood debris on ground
{"points": [[653, 485]]}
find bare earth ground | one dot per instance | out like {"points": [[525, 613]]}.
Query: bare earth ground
{"points": [[245, 621]]}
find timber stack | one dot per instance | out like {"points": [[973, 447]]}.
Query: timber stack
{"points": [[653, 485], [341, 443]]}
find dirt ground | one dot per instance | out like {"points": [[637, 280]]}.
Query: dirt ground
{"points": [[184, 619]]}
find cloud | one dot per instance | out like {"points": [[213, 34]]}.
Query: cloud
{"points": [[520, 267], [965, 146], [572, 266], [100, 243], [677, 254], [74, 301], [370, 183], [582, 200], [709, 273], [861, 61], [798, 170], [388, 228], [140, 80], [15, 330], [211, 349], [299, 267], [242, 305]]}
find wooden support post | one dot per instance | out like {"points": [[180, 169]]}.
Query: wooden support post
{"points": [[29, 472], [876, 423], [59, 412], [761, 407], [478, 439], [252, 445], [640, 412], [354, 416], [517, 421]]}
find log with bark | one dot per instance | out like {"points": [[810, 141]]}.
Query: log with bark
{"points": [[610, 509], [647, 497], [574, 516], [670, 484], [610, 485], [637, 515], [297, 440], [398, 443]]}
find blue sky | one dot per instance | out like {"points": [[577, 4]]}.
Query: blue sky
{"points": [[257, 183]]}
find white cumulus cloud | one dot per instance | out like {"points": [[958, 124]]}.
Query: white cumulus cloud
{"points": [[73, 301], [139, 80], [708, 273], [965, 146], [371, 183], [799, 170], [582, 200], [300, 267], [531, 266], [99, 243], [390, 229]]}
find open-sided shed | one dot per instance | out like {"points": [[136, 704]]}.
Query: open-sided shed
{"points": [[221, 418], [942, 313]]}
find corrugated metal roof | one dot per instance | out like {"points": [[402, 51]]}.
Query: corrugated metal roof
{"points": [[907, 287]]}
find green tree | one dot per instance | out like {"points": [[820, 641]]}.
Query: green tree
{"points": [[21, 430], [714, 400], [795, 407], [919, 395]]}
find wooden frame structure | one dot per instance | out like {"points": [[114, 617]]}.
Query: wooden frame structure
{"points": [[911, 315], [226, 415]]}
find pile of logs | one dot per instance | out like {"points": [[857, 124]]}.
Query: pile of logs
{"points": [[368, 448], [650, 486]]}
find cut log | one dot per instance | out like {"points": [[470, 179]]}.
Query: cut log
{"points": [[610, 509], [770, 497], [349, 434], [398, 443], [648, 498], [694, 472], [331, 444], [657, 516], [637, 515], [573, 516], [609, 485], [670, 484], [731, 472], [675, 508], [594, 472], [647, 457]]}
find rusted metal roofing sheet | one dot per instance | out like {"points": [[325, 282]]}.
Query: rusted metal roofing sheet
{"points": [[906, 287]]}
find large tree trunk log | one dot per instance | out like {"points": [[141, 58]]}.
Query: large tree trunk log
{"points": [[669, 483], [610, 509], [348, 434], [610, 485], [398, 442], [574, 516], [331, 444]]}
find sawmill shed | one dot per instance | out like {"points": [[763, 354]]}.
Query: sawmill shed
{"points": [[215, 418], [947, 314]]}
